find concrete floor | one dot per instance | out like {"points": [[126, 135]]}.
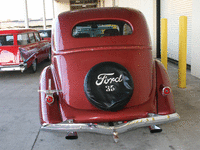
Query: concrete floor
{"points": [[19, 120]]}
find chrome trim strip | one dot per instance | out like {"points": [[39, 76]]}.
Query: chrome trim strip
{"points": [[90, 127], [20, 67], [29, 57]]}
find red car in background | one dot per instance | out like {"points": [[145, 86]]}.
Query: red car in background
{"points": [[102, 78], [21, 49]]}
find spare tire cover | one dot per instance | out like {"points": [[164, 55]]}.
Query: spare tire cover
{"points": [[108, 86]]}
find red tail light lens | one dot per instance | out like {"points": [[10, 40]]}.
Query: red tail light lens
{"points": [[49, 99], [166, 91], [21, 55]]}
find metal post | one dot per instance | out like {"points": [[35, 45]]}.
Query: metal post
{"points": [[53, 9], [103, 3], [26, 14], [182, 52], [164, 42], [113, 3], [44, 15]]}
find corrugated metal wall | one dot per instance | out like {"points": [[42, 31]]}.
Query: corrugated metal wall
{"points": [[172, 10]]}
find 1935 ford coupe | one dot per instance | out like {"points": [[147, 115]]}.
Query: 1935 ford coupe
{"points": [[102, 77]]}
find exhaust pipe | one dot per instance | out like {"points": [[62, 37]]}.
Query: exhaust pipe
{"points": [[71, 135]]}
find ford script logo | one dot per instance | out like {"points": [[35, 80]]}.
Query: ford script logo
{"points": [[105, 78]]}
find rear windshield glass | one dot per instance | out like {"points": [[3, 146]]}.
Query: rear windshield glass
{"points": [[6, 40], [101, 29]]}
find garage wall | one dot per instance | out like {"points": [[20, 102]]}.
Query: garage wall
{"points": [[172, 10], [61, 6], [195, 67], [108, 3]]}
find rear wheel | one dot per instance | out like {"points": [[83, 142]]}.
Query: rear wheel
{"points": [[34, 66]]}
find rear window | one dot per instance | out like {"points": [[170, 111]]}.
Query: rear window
{"points": [[32, 38], [22, 39], [45, 34], [6, 40], [37, 36], [101, 29]]}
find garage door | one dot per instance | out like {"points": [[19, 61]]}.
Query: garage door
{"points": [[172, 10]]}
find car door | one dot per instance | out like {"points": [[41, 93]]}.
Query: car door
{"points": [[34, 45], [42, 46], [28, 50]]}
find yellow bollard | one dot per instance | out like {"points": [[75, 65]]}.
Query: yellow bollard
{"points": [[164, 42], [182, 52]]}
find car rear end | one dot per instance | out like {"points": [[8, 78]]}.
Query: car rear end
{"points": [[102, 72], [108, 61], [10, 56]]}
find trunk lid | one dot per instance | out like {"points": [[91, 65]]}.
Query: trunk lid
{"points": [[72, 66], [9, 55]]}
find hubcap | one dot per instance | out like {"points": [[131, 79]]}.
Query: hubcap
{"points": [[34, 65]]}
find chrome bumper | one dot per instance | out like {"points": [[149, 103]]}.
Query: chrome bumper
{"points": [[20, 67], [153, 119]]}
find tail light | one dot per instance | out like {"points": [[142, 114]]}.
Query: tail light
{"points": [[49, 99], [21, 55], [166, 90], [50, 94]]}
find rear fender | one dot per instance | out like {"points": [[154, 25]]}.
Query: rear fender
{"points": [[165, 103], [27, 56], [31, 60], [49, 113]]}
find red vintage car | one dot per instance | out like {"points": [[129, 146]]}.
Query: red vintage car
{"points": [[102, 78], [21, 49]]}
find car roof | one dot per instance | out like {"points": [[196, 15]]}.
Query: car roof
{"points": [[108, 12], [16, 31]]}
